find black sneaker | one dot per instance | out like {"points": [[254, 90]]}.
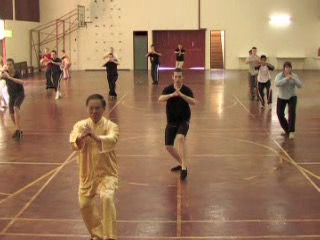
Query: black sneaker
{"points": [[176, 168], [183, 174], [20, 135]]}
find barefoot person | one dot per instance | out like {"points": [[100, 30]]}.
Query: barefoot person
{"points": [[178, 97], [66, 64], [287, 82], [95, 138], [16, 94]]}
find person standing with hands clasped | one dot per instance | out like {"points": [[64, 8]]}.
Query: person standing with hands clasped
{"points": [[180, 52], [178, 97], [112, 74], [287, 82], [155, 63]]}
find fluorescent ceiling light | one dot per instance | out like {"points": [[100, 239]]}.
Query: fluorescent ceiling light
{"points": [[280, 20]]}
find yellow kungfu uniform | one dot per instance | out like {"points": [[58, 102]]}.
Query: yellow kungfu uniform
{"points": [[98, 175]]}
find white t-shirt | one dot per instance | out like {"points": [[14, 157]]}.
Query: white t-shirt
{"points": [[254, 60], [264, 74]]}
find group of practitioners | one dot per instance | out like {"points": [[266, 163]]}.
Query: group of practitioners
{"points": [[56, 69], [96, 137], [259, 77], [154, 57]]}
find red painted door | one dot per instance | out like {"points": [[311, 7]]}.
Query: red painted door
{"points": [[193, 41]]}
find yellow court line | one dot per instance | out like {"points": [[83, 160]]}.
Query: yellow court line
{"points": [[179, 208], [5, 194], [119, 101], [243, 106], [306, 220], [37, 193], [31, 184], [303, 170], [169, 237], [30, 163]]}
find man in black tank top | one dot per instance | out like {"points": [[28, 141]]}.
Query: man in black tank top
{"points": [[178, 97]]}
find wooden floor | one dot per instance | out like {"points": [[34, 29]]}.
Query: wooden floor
{"points": [[245, 180]]}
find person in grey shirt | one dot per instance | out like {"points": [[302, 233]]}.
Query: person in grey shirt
{"points": [[253, 60], [287, 82]]}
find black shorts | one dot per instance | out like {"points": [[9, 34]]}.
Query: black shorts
{"points": [[15, 101], [173, 129]]}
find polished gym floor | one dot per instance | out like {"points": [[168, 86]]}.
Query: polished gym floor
{"points": [[245, 180]]}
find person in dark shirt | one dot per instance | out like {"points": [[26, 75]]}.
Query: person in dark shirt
{"points": [[180, 52], [178, 97], [46, 60], [112, 74], [155, 63], [16, 94], [56, 73]]}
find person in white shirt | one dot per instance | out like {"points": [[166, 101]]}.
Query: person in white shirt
{"points": [[264, 81]]}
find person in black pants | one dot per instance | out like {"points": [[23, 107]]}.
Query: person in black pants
{"points": [[287, 82], [16, 94], [112, 74], [56, 73], [155, 63], [46, 60], [178, 97]]}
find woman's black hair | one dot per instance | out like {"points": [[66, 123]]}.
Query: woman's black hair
{"points": [[97, 97]]}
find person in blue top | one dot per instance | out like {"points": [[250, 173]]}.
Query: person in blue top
{"points": [[287, 82]]}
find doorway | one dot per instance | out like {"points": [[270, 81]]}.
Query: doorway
{"points": [[217, 52], [140, 48]]}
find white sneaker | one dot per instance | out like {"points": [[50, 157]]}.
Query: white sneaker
{"points": [[291, 135], [262, 106], [60, 94], [270, 106], [57, 95]]}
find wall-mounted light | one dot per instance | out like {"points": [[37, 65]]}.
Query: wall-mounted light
{"points": [[280, 20]]}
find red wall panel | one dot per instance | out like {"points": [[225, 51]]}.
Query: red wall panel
{"points": [[193, 41], [27, 10], [6, 9]]}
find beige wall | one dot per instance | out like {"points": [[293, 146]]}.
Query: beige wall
{"points": [[245, 24], [18, 47]]}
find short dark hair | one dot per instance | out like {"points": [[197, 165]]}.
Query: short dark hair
{"points": [[96, 97], [178, 70], [152, 45], [10, 60], [254, 48], [263, 57], [63, 51], [287, 64], [250, 51], [54, 51]]}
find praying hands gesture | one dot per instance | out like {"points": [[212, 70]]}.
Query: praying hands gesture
{"points": [[87, 132]]}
